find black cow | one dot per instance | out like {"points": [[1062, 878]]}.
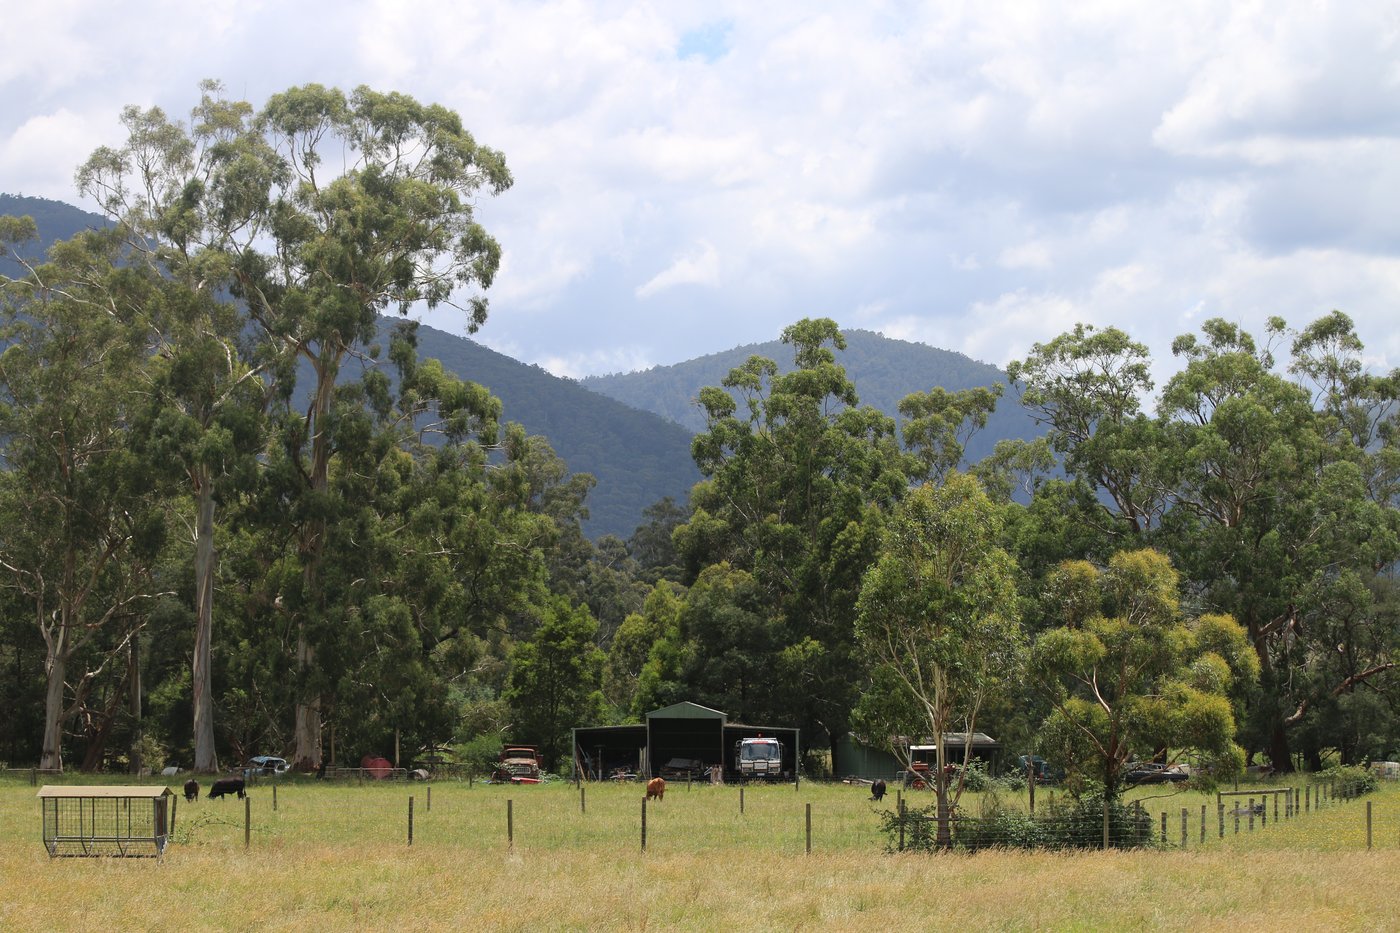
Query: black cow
{"points": [[191, 790], [224, 786], [877, 790]]}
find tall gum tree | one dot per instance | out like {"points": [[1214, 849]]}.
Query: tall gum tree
{"points": [[374, 209], [82, 519], [185, 198], [797, 474], [938, 616]]}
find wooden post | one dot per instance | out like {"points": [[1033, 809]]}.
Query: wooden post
{"points": [[510, 823], [741, 798], [1307, 798], [1105, 823], [410, 819], [796, 780], [809, 826], [174, 807], [644, 824], [274, 798], [1275, 808], [1264, 810], [1237, 817], [582, 799], [901, 825], [1203, 824], [1368, 824], [1164, 827], [1251, 814], [1030, 780], [430, 798], [1183, 827], [247, 822], [899, 800], [1220, 819]]}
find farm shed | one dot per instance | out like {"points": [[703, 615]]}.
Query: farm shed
{"points": [[860, 759], [118, 821], [683, 734], [955, 746]]}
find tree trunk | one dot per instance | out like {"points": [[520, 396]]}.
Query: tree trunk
{"points": [[133, 658], [54, 668], [206, 759], [308, 714]]}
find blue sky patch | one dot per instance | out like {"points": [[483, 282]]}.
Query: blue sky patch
{"points": [[709, 42]]}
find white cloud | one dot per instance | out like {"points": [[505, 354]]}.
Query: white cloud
{"points": [[979, 176], [700, 267]]}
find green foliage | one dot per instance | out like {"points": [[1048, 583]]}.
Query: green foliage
{"points": [[555, 679], [1138, 677]]}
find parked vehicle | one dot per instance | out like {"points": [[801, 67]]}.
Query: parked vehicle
{"points": [[520, 764], [1151, 772], [759, 758], [1044, 774], [266, 765]]}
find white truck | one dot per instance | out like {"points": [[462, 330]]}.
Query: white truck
{"points": [[759, 757]]}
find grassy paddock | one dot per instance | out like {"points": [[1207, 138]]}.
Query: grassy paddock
{"points": [[336, 857]]}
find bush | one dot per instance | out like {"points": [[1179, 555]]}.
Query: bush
{"points": [[1067, 824], [1349, 780]]}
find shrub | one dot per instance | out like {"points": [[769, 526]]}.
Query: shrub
{"points": [[1349, 780]]}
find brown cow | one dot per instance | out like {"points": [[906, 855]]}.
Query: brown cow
{"points": [[656, 787]]}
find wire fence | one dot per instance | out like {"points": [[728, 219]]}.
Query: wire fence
{"points": [[785, 819]]}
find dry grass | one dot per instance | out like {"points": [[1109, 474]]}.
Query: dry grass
{"points": [[336, 858]]}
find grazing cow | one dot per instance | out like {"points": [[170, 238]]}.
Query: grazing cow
{"points": [[877, 791], [656, 787], [191, 790], [227, 786]]}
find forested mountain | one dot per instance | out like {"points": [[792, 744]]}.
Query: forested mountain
{"points": [[636, 457], [883, 369], [55, 220]]}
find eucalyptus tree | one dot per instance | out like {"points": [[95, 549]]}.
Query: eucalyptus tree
{"points": [[1271, 507], [1088, 387], [186, 198], [797, 474], [938, 617], [82, 519], [1127, 674]]}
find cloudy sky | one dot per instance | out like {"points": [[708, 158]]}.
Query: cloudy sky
{"points": [[692, 176]]}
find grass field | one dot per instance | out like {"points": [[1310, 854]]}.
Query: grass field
{"points": [[336, 857]]}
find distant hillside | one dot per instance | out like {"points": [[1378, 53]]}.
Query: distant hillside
{"points": [[884, 370], [55, 220], [636, 456]]}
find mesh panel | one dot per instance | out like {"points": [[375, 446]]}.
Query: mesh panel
{"points": [[116, 826]]}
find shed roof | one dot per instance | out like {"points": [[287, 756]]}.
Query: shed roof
{"points": [[109, 790], [686, 710]]}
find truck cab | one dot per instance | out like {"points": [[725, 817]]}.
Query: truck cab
{"points": [[759, 757]]}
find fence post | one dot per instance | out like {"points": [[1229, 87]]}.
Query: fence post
{"points": [[644, 824], [582, 798], [430, 798], [1164, 827], [1251, 814], [274, 798], [741, 798], [901, 825], [1275, 810], [247, 822], [1264, 810], [510, 823], [809, 826], [1368, 824], [410, 819], [1105, 823], [1237, 817], [174, 806], [1220, 819], [33, 777], [1030, 781], [1203, 824], [1183, 828]]}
